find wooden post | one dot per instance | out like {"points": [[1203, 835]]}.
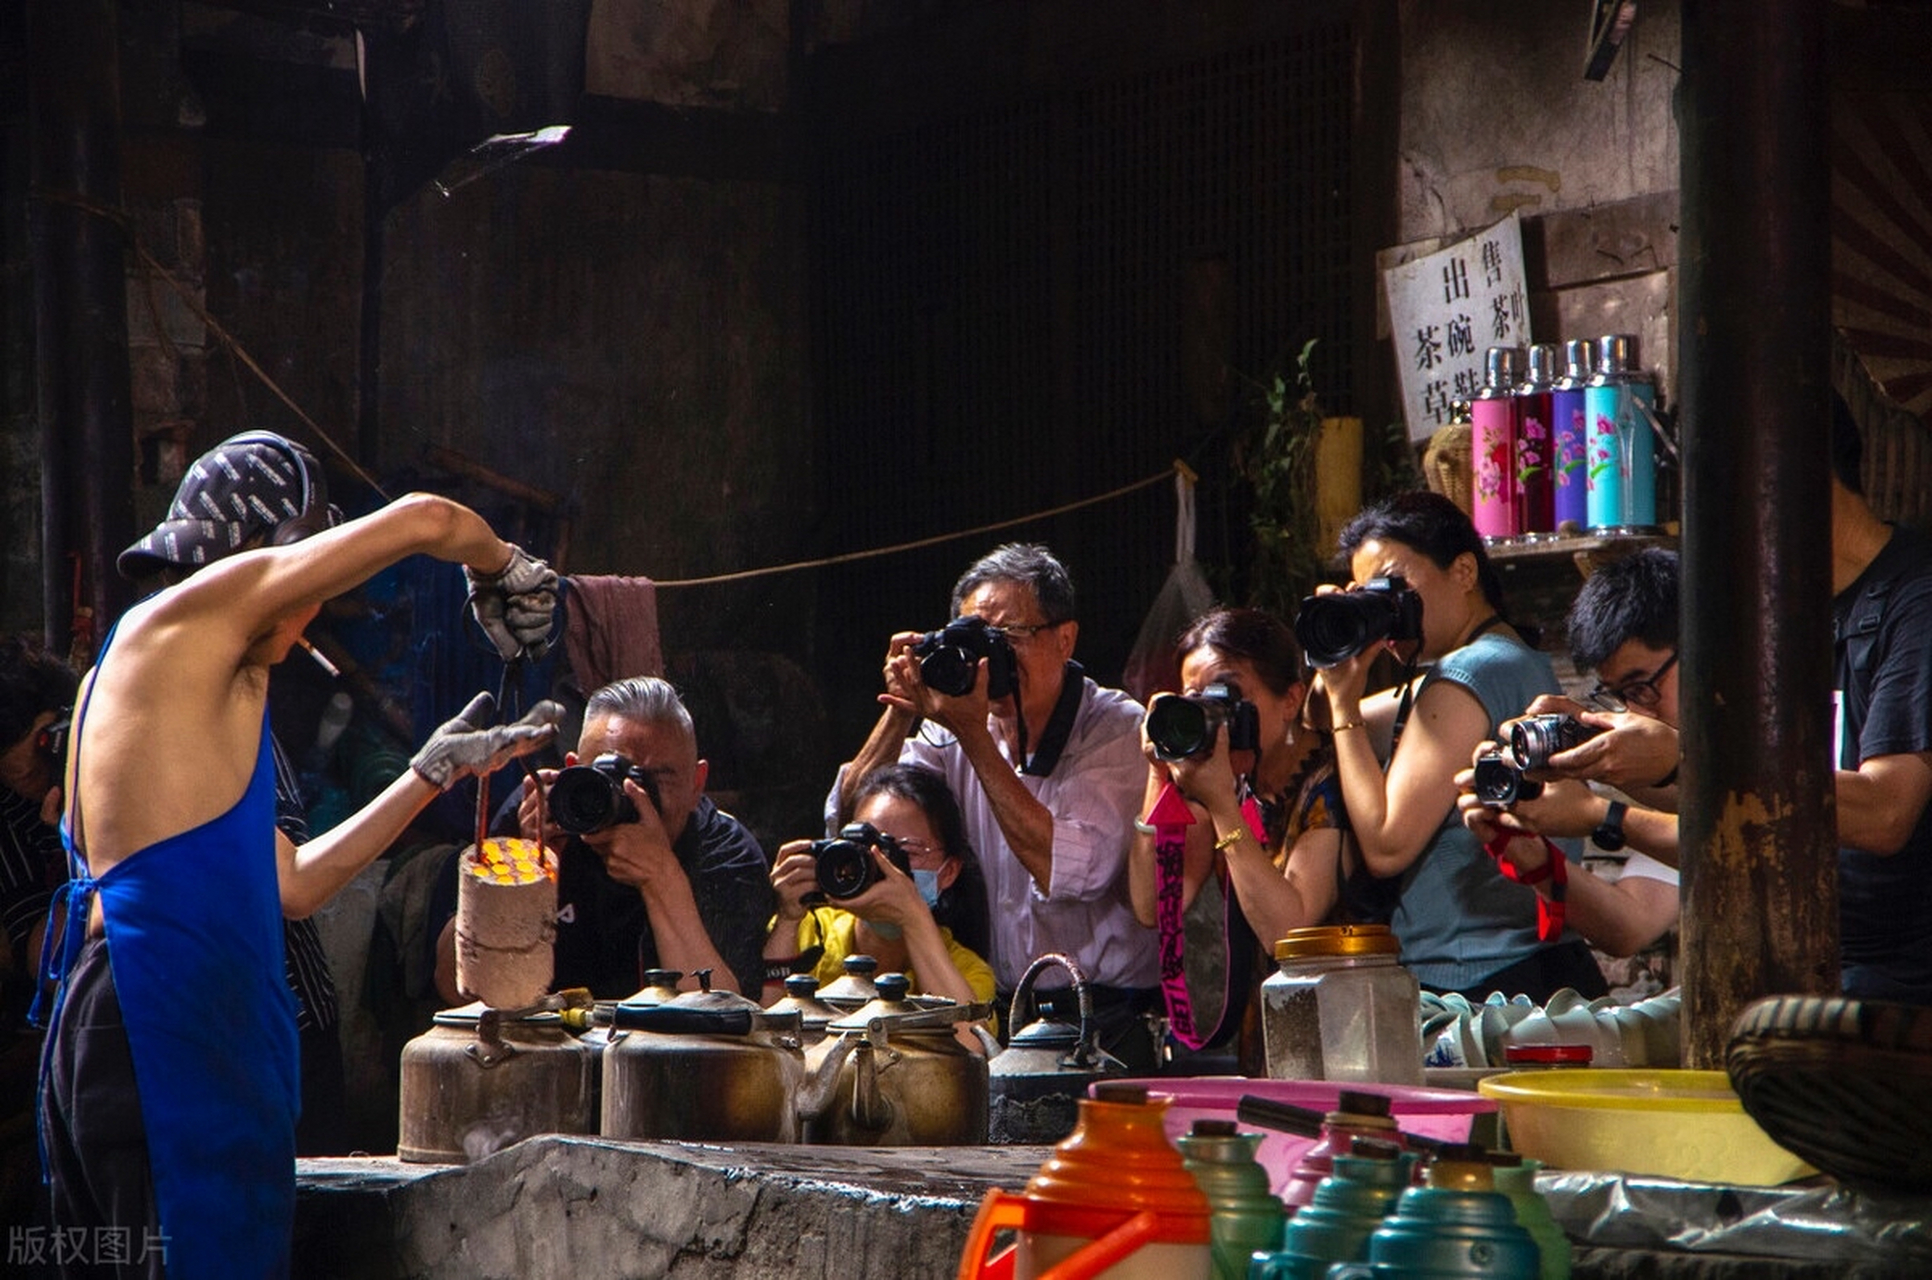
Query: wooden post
{"points": [[1760, 910]]}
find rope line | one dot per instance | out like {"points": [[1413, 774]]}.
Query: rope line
{"points": [[120, 220], [850, 556]]}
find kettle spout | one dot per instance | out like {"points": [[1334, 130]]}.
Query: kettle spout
{"points": [[871, 1109], [820, 1085]]}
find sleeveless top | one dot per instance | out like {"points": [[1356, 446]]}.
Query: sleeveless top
{"points": [[194, 940]]}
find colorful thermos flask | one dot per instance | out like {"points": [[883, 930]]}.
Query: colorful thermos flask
{"points": [[1570, 481], [1492, 418], [1619, 403], [1535, 497]]}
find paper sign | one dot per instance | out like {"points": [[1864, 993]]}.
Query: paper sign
{"points": [[1446, 310]]}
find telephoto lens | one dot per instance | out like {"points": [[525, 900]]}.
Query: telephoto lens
{"points": [[1500, 784], [587, 798], [1334, 627], [1534, 739]]}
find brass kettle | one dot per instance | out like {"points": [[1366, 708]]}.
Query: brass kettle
{"points": [[907, 1079], [1038, 1080], [480, 1079], [711, 1066]]}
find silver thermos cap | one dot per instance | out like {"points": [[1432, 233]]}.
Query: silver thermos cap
{"points": [[1617, 353], [1542, 364], [1504, 367], [1579, 358]]}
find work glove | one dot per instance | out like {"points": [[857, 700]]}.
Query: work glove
{"points": [[469, 745], [515, 606]]}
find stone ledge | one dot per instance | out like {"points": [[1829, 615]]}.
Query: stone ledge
{"points": [[556, 1206]]}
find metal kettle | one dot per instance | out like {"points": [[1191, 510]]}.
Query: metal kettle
{"points": [[1037, 1081], [908, 1081], [480, 1079], [711, 1066]]}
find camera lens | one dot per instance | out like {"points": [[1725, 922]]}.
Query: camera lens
{"points": [[1180, 727], [584, 799], [950, 670], [845, 867], [1333, 628], [1535, 739], [1498, 783]]}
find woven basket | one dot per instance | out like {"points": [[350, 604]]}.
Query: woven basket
{"points": [[1447, 465], [1847, 1084]]}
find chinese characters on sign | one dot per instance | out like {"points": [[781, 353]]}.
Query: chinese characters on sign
{"points": [[1446, 310]]}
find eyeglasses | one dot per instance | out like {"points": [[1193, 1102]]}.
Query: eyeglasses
{"points": [[920, 849], [1634, 693], [1021, 634]]}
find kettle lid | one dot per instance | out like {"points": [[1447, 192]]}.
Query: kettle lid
{"points": [[704, 999], [471, 1014]]}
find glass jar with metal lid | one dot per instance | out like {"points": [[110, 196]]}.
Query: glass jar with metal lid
{"points": [[1340, 1007]]}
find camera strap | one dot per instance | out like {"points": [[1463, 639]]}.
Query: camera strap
{"points": [[1059, 725]]}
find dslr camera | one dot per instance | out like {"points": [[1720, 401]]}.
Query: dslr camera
{"points": [[1500, 782], [949, 658], [588, 798], [845, 865], [1534, 739], [1335, 627], [1183, 725]]}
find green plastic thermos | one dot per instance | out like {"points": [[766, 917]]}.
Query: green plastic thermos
{"points": [[1244, 1215], [1457, 1226], [1348, 1206], [1518, 1182]]}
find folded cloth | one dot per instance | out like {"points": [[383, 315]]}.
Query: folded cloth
{"points": [[610, 629]]}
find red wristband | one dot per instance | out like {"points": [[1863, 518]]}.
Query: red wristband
{"points": [[1551, 911]]}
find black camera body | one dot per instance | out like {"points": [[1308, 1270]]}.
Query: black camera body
{"points": [[1335, 627], [587, 798], [1184, 725], [949, 658], [1500, 783], [845, 865], [1534, 739]]}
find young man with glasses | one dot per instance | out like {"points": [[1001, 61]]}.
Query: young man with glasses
{"points": [[1049, 777], [1624, 626]]}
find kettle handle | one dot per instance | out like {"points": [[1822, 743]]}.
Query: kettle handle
{"points": [[1088, 1049], [662, 1018]]}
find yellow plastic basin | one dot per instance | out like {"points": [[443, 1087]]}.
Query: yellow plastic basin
{"points": [[1672, 1124]]}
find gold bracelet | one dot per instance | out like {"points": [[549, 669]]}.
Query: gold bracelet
{"points": [[1230, 838], [1347, 724]]}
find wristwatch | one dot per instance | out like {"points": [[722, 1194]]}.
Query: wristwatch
{"points": [[1609, 832]]}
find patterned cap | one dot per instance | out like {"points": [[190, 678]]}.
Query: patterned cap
{"points": [[244, 487]]}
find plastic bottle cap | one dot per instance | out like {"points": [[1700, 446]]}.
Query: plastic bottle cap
{"points": [[1213, 1129], [1359, 1102], [1120, 1091]]}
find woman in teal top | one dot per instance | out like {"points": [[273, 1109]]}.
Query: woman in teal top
{"points": [[1463, 927]]}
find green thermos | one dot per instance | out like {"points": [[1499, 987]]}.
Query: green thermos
{"points": [[1347, 1207], [1244, 1215], [1517, 1180], [1457, 1226]]}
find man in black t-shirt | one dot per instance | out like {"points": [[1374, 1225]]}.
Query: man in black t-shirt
{"points": [[1882, 676], [683, 887]]}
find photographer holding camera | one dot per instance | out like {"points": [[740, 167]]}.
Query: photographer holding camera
{"points": [[1623, 626], [900, 883], [651, 873], [1047, 767], [1431, 595], [1238, 737]]}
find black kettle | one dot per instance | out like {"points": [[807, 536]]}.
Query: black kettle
{"points": [[1037, 1081]]}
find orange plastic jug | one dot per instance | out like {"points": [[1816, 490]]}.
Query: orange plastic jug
{"points": [[1114, 1200]]}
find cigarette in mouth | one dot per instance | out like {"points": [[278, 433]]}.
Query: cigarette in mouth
{"points": [[320, 661]]}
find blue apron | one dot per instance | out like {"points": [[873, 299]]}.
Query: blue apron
{"points": [[194, 938]]}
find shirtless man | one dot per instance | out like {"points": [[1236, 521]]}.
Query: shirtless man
{"points": [[172, 958]]}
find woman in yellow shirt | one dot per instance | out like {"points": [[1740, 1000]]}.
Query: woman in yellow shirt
{"points": [[929, 923]]}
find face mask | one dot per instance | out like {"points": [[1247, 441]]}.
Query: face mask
{"points": [[928, 884]]}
